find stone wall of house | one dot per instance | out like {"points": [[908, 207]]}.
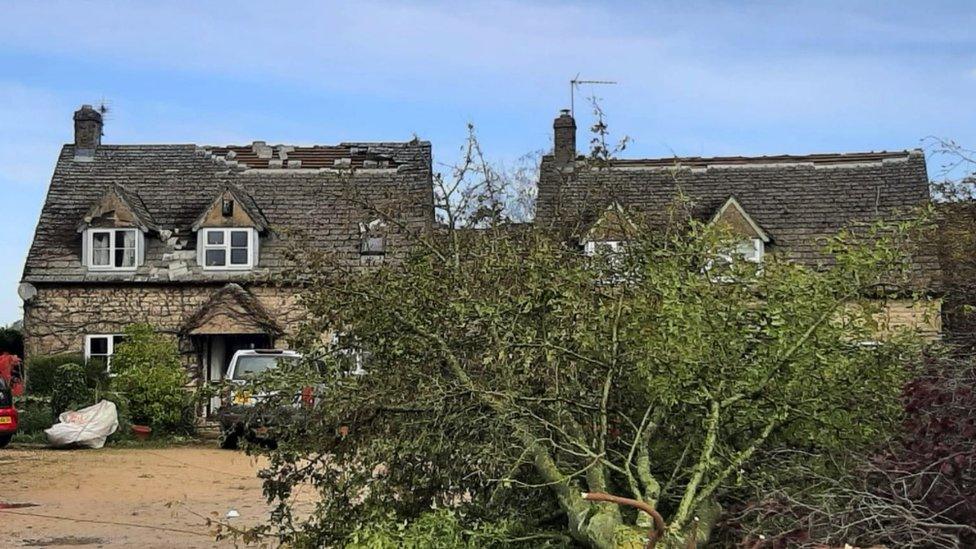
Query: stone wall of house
{"points": [[59, 317], [924, 316]]}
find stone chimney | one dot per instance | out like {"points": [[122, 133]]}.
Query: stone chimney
{"points": [[88, 131], [564, 129]]}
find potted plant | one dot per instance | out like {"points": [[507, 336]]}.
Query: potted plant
{"points": [[141, 432]]}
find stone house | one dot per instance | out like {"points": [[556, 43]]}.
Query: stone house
{"points": [[786, 204], [193, 239]]}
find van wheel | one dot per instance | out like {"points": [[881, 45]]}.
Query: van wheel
{"points": [[5, 439], [228, 440]]}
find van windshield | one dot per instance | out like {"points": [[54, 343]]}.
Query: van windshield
{"points": [[249, 366]]}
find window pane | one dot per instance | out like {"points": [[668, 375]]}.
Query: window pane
{"points": [[215, 237], [215, 258], [98, 345], [125, 257], [374, 245], [125, 239], [100, 248], [238, 239], [748, 250], [100, 241], [100, 257], [102, 360], [238, 256]]}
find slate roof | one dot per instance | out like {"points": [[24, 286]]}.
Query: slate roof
{"points": [[134, 203], [173, 184], [799, 201]]}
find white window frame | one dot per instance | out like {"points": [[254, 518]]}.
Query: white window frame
{"points": [[251, 245], [590, 247], [110, 348], [112, 248], [760, 250]]}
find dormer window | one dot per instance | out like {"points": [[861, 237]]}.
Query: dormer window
{"points": [[227, 231], [609, 233], [752, 246], [113, 232], [228, 248], [112, 249]]}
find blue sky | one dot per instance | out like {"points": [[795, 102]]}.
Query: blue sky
{"points": [[695, 78]]}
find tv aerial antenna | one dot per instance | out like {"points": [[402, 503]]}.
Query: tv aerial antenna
{"points": [[575, 83]]}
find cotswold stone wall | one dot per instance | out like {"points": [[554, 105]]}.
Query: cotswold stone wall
{"points": [[59, 317], [924, 316]]}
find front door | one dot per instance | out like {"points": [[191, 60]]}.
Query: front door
{"points": [[216, 352]]}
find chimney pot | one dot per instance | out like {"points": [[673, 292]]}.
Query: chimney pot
{"points": [[88, 131], [564, 138]]}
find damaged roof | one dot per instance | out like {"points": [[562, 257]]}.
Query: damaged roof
{"points": [[324, 200]]}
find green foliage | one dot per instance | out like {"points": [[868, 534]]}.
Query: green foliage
{"points": [[96, 377], [42, 371], [438, 529], [151, 378], [70, 391], [503, 363], [35, 414], [143, 348], [12, 341]]}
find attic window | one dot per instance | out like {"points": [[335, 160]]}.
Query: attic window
{"points": [[373, 245], [227, 207], [602, 247], [372, 242], [228, 248], [111, 249], [751, 250]]}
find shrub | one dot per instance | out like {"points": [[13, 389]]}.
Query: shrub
{"points": [[35, 414], [70, 391], [42, 371], [96, 377], [12, 341], [151, 378], [916, 490]]}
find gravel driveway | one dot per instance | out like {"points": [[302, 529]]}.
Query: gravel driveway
{"points": [[118, 496]]}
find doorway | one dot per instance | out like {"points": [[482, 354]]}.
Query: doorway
{"points": [[215, 352]]}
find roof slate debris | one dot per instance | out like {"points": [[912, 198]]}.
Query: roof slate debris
{"points": [[171, 185]]}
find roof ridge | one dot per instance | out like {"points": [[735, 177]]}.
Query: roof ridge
{"points": [[772, 159]]}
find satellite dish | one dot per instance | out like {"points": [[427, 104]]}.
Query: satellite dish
{"points": [[26, 291]]}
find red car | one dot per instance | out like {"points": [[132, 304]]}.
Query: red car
{"points": [[8, 414]]}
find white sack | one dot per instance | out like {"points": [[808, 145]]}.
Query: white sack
{"points": [[88, 427]]}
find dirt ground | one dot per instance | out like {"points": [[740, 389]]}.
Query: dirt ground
{"points": [[117, 497]]}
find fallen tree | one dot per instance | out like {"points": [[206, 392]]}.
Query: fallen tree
{"points": [[509, 374], [550, 397]]}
